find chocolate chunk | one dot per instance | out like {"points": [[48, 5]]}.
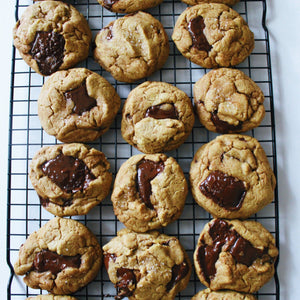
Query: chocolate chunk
{"points": [[196, 27], [227, 240], [48, 51], [109, 34], [107, 258], [69, 173], [223, 126], [178, 272], [109, 3], [227, 191], [147, 171], [46, 260], [162, 111], [127, 277], [83, 102], [45, 202]]}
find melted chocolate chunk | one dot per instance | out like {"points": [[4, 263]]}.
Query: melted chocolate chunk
{"points": [[45, 202], [109, 34], [162, 111], [127, 278], [223, 126], [46, 260], [48, 51], [196, 27], [69, 173], [147, 171], [83, 102], [227, 240], [109, 3], [226, 191], [178, 272], [107, 258]]}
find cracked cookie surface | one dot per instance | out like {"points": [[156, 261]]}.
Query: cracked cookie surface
{"points": [[61, 257], [213, 35], [77, 105], [227, 2], [228, 101], [208, 294], [128, 6], [231, 177], [52, 297], [157, 117], [70, 179], [149, 192], [149, 266], [51, 36], [235, 255], [132, 47]]}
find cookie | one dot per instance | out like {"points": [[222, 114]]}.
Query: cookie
{"points": [[231, 177], [227, 2], [77, 105], [213, 35], [228, 101], [235, 255], [132, 47], [149, 192], [70, 179], [157, 117], [51, 36], [222, 295], [51, 297], [61, 257], [146, 265], [128, 6]]}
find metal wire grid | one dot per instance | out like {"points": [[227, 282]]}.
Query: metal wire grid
{"points": [[26, 136]]}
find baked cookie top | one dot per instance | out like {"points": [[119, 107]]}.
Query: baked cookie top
{"points": [[51, 297], [51, 36], [231, 177], [213, 35], [132, 47], [61, 257], [228, 101], [157, 117], [235, 255], [227, 2], [149, 192], [70, 179], [146, 265], [128, 6], [77, 105], [208, 294]]}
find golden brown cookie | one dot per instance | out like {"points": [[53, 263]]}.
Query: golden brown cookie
{"points": [[51, 297], [70, 179], [51, 36], [149, 192], [213, 35], [157, 117], [227, 2], [128, 6], [208, 294], [228, 101], [235, 255], [61, 257], [132, 47], [231, 177], [147, 266], [77, 105]]}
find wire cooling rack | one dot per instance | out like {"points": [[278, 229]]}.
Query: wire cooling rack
{"points": [[25, 215]]}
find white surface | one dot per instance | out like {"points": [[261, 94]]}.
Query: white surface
{"points": [[283, 23]]}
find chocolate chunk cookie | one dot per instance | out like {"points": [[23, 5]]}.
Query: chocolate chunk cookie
{"points": [[132, 47], [51, 297], [51, 36], [146, 265], [61, 257], [157, 117], [231, 177], [70, 179], [77, 105], [208, 294], [149, 192], [227, 2], [235, 255], [128, 6], [228, 101], [213, 35]]}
